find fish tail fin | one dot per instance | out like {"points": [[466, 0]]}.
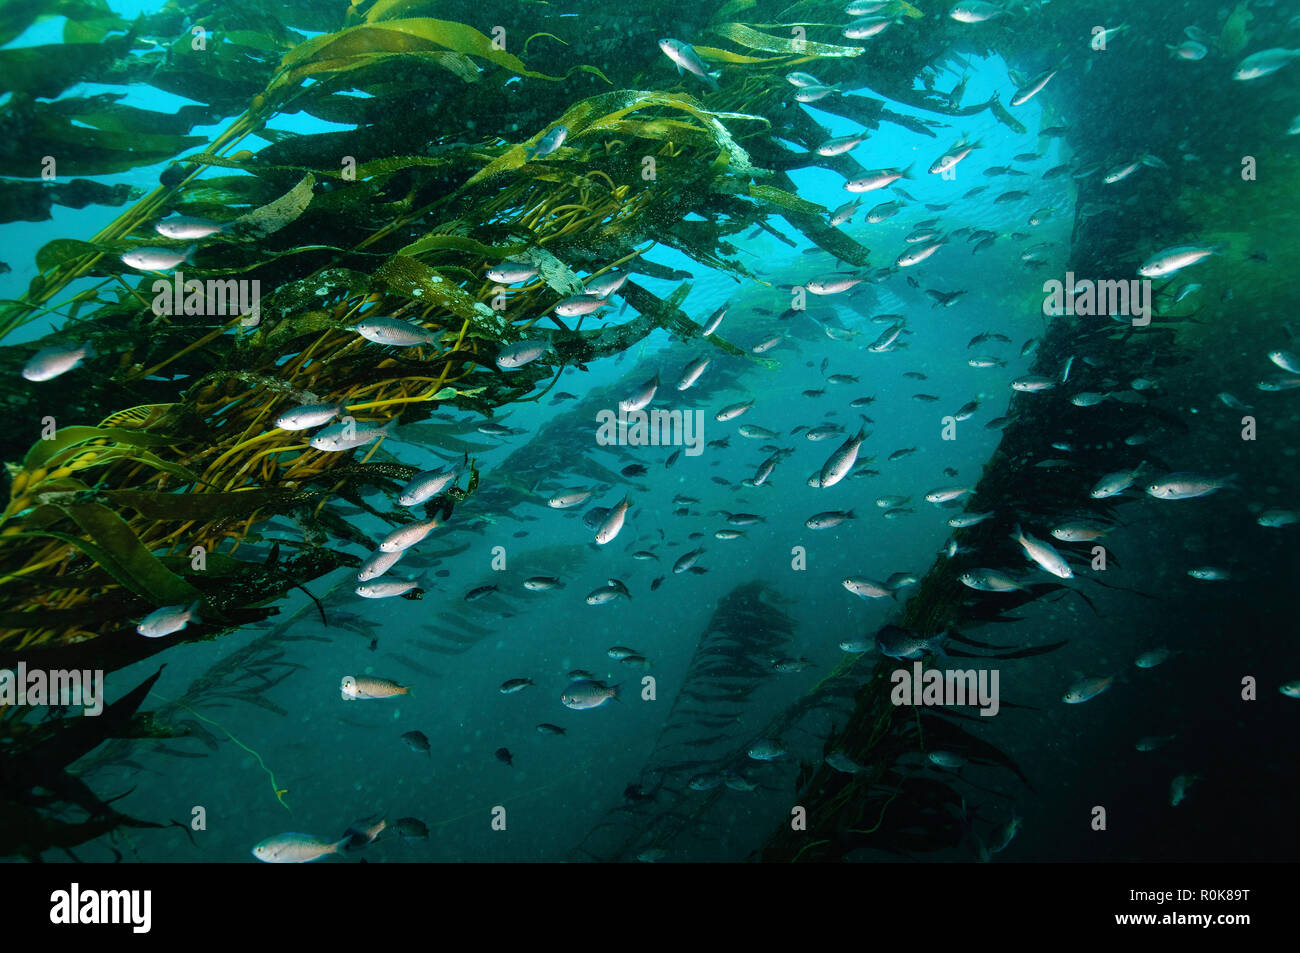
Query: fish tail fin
{"points": [[1231, 482], [189, 253], [614, 692], [1017, 533], [194, 611]]}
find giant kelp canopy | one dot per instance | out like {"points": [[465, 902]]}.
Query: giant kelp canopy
{"points": [[163, 441]]}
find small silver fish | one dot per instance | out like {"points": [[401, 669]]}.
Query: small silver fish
{"points": [[168, 619], [395, 333], [51, 362], [547, 144]]}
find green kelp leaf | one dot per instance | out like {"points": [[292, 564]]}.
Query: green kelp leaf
{"points": [[62, 250], [492, 253], [602, 113], [754, 40], [84, 151], [272, 217], [44, 72], [417, 281], [33, 201], [352, 46], [207, 507], [118, 550], [66, 437], [785, 200]]}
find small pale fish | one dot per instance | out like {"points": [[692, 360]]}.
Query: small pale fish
{"points": [[812, 94], [1188, 50], [714, 321], [386, 588], [1291, 689], [186, 228], [378, 563], [729, 534], [547, 144], [1264, 63], [1152, 742], [546, 728], [842, 763], [157, 259], [1170, 260], [580, 304], [1280, 383], [1276, 518], [585, 693], [168, 620], [1032, 88], [1079, 531], [642, 397], [828, 519], [418, 741], [306, 416], [360, 687], [832, 284], [914, 256], [349, 434], [947, 494], [901, 580], [802, 79], [613, 522], [989, 580], [840, 462], [685, 58], [764, 346], [865, 588], [391, 331], [542, 583], [845, 212], [1179, 788], [966, 520], [607, 593], [706, 781], [766, 749], [515, 685], [1188, 486], [867, 27], [732, 411], [1210, 574], [1032, 384], [1286, 360], [568, 498], [857, 645], [1154, 657], [791, 666], [975, 11], [427, 484], [51, 362], [755, 432], [607, 284], [947, 759], [691, 373], [1113, 484], [897, 642], [871, 181], [292, 848], [516, 355], [1043, 553], [840, 145], [404, 537], [1087, 688], [510, 272], [883, 211], [1088, 399]]}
